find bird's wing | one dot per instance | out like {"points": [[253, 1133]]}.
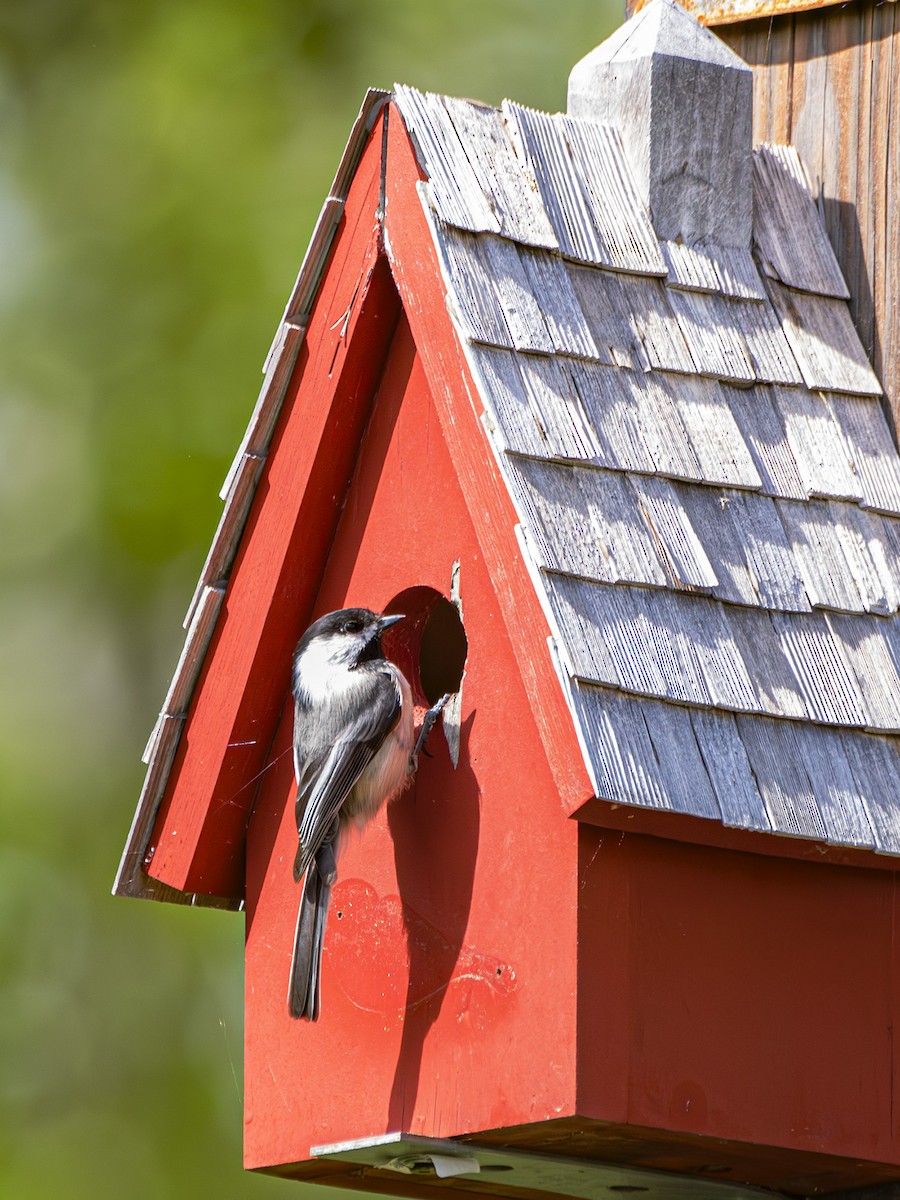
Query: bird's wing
{"points": [[327, 772]]}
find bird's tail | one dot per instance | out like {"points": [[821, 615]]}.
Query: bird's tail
{"points": [[306, 965]]}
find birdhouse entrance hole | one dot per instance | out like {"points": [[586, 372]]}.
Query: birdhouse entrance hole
{"points": [[430, 646]]}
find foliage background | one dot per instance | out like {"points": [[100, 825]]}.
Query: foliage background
{"points": [[161, 167]]}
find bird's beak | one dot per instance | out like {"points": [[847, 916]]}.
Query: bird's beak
{"points": [[385, 622]]}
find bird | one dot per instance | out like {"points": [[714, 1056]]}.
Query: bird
{"points": [[354, 750]]}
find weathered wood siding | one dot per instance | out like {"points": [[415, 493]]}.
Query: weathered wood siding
{"points": [[829, 82]]}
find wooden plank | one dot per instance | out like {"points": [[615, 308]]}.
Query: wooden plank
{"points": [[472, 287], [762, 429], [631, 320], [763, 338], [193, 653], [877, 591], [415, 271], [659, 644], [875, 763], [728, 767], [819, 556], [503, 177], [454, 186], [565, 321], [774, 682], [828, 82], [865, 647], [664, 430], [674, 743], [229, 531], [788, 232], [600, 298], [508, 401], [644, 304], [680, 549], [728, 270], [883, 265], [830, 692], [869, 180], [279, 369], [624, 762], [817, 444], [553, 396], [690, 267], [557, 516], [653, 624], [769, 554], [775, 758], [767, 47], [520, 304], [809, 100], [843, 55], [636, 420], [584, 635], [310, 274], [700, 627], [871, 448], [159, 755], [542, 146], [626, 541], [716, 439], [131, 877], [838, 799], [200, 828], [825, 344], [621, 218], [709, 510], [881, 546], [585, 522], [369, 115], [714, 341]]}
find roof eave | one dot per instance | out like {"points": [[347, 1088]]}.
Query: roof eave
{"points": [[206, 618], [729, 12]]}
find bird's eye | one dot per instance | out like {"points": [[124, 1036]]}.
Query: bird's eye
{"points": [[354, 625]]}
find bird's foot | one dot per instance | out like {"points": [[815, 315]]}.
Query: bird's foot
{"points": [[427, 725]]}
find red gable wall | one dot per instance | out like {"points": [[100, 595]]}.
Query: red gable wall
{"points": [[451, 939]]}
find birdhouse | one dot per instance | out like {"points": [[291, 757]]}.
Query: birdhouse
{"points": [[581, 395]]}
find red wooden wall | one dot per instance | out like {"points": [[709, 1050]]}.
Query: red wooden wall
{"points": [[489, 964], [739, 997], [449, 976]]}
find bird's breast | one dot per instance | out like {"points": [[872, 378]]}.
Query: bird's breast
{"points": [[388, 772]]}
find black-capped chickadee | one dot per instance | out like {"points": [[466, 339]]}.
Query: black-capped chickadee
{"points": [[354, 749]]}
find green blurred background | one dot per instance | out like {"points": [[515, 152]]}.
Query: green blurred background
{"points": [[161, 166]]}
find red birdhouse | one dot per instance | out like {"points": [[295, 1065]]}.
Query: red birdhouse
{"points": [[579, 394]]}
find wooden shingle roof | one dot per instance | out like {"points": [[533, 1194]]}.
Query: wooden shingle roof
{"points": [[708, 490], [692, 436]]}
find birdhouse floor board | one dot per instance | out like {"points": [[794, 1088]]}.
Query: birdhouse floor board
{"points": [[791, 1172], [689, 1166]]}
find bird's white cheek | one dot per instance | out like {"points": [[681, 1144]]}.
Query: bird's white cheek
{"points": [[317, 676]]}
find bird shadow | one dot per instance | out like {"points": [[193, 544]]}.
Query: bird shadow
{"points": [[435, 829]]}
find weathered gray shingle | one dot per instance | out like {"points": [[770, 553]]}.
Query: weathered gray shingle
{"points": [[708, 489], [512, 194], [792, 242], [731, 543]]}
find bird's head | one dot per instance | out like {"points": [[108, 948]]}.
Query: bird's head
{"points": [[345, 638]]}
